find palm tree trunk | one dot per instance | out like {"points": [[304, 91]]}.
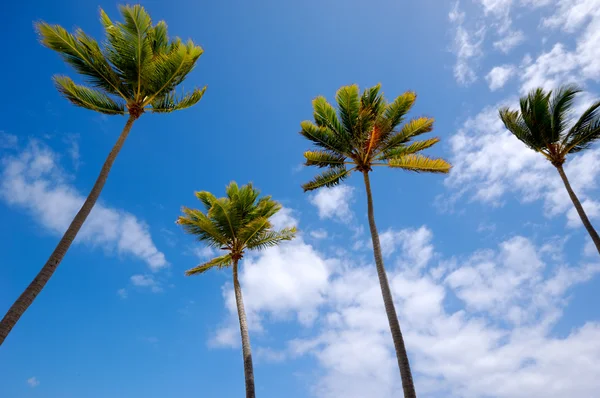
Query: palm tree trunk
{"points": [[401, 355], [248, 368], [35, 287], [584, 219]]}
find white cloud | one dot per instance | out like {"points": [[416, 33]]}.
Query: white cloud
{"points": [[34, 181], [146, 281], [499, 75], [509, 41], [319, 233], [204, 253], [284, 218], [285, 280], [122, 293], [8, 140], [501, 303], [466, 46], [509, 301], [334, 202], [33, 382], [550, 69]]}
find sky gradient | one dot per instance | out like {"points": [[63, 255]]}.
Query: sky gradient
{"points": [[495, 279]]}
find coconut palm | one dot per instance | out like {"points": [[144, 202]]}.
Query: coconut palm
{"points": [[543, 125], [135, 71], [235, 224], [366, 132]]}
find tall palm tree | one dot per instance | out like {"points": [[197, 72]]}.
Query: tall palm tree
{"points": [[136, 70], [364, 133], [235, 224], [543, 125]]}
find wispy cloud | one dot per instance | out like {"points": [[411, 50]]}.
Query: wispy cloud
{"points": [[467, 46], [146, 281], [33, 382], [33, 181], [334, 203], [499, 75]]}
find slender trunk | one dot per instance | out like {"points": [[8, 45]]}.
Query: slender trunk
{"points": [[584, 219], [401, 355], [248, 368], [35, 287]]}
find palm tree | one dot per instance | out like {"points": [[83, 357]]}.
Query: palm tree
{"points": [[364, 135], [234, 224], [136, 70], [543, 125]]}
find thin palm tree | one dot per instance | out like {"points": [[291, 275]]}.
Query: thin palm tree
{"points": [[236, 223], [136, 70], [365, 132], [543, 125]]}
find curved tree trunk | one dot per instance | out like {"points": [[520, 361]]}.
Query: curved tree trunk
{"points": [[248, 368], [35, 287], [401, 355], [584, 219]]}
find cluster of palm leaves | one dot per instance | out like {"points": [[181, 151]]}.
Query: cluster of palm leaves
{"points": [[138, 69]]}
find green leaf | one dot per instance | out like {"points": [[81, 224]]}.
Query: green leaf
{"points": [[420, 163], [88, 98], [196, 223], [86, 58], [271, 238], [395, 111], [403, 150], [218, 262], [348, 101], [328, 178], [170, 102], [411, 129], [322, 137], [323, 159], [560, 105], [583, 134]]}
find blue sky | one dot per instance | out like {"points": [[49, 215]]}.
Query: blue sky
{"points": [[494, 277]]}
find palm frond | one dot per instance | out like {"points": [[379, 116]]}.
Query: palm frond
{"points": [[420, 163], [196, 223], [328, 178], [584, 138], [325, 116], [83, 54], [218, 262], [513, 121], [396, 110], [224, 219], [253, 228], [414, 147], [348, 101], [560, 105], [170, 69], [413, 128], [323, 159], [580, 136], [535, 112], [322, 137], [206, 198], [271, 238], [169, 102], [88, 98]]}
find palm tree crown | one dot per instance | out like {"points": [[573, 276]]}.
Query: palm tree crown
{"points": [[366, 134], [235, 223], [136, 69], [542, 123]]}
